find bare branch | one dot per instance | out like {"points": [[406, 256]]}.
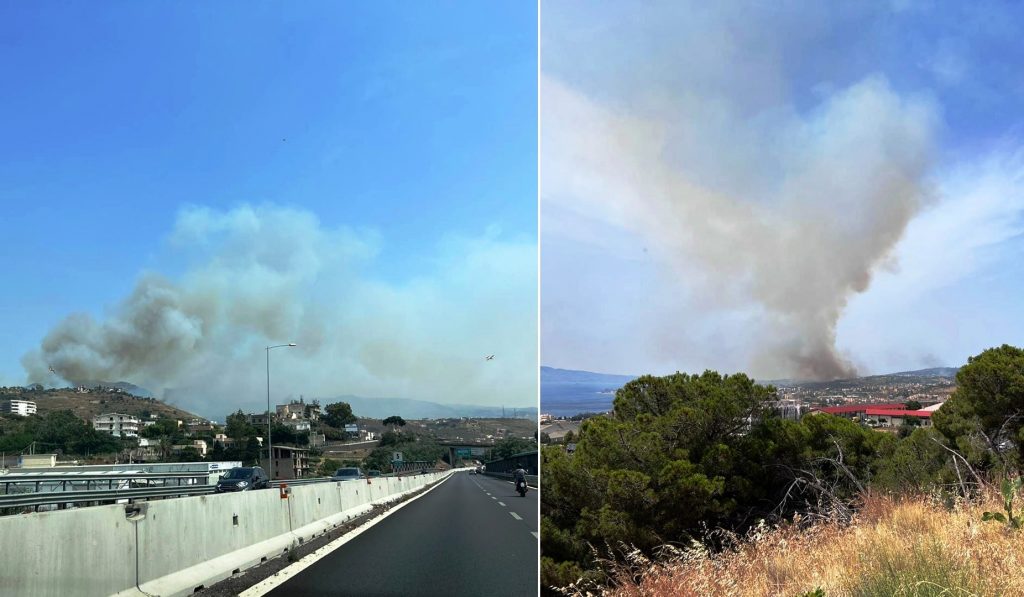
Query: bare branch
{"points": [[961, 457]]}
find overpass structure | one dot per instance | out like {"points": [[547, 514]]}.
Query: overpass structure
{"points": [[504, 467], [467, 450], [528, 460]]}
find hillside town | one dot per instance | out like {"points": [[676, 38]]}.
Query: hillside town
{"points": [[304, 435]]}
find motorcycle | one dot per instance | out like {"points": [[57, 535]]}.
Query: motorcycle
{"points": [[521, 488]]}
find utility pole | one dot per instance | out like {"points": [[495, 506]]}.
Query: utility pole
{"points": [[270, 449]]}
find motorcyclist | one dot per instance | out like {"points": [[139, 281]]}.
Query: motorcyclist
{"points": [[520, 476]]}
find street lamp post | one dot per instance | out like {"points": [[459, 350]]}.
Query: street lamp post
{"points": [[270, 446]]}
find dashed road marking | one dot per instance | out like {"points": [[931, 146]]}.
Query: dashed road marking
{"points": [[535, 534], [270, 583], [502, 503], [516, 516]]}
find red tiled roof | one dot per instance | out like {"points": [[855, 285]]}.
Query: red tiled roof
{"points": [[874, 412], [859, 408]]}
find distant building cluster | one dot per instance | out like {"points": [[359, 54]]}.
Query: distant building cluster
{"points": [[301, 416], [298, 415], [790, 409], [892, 414]]}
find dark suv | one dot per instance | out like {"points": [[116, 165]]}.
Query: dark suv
{"points": [[243, 478]]}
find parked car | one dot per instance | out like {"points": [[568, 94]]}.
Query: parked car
{"points": [[351, 473], [243, 478], [373, 473]]}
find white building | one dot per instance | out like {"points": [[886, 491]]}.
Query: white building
{"points": [[298, 424], [117, 424], [18, 407]]}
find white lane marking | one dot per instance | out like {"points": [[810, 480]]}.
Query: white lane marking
{"points": [[535, 534], [269, 584], [502, 503], [493, 498], [516, 516]]}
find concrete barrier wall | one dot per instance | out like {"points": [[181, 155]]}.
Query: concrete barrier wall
{"points": [[68, 552], [174, 546]]}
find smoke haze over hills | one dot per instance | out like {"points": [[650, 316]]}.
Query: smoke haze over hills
{"points": [[260, 275]]}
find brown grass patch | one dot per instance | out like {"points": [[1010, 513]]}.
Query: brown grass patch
{"points": [[909, 547]]}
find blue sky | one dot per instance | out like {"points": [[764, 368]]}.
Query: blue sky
{"points": [[801, 189], [409, 127]]}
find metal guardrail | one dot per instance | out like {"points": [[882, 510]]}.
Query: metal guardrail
{"points": [[19, 477], [34, 499], [60, 498], [56, 483]]}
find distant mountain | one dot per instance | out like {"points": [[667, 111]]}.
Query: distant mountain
{"points": [[932, 372], [379, 408], [552, 375], [567, 392]]}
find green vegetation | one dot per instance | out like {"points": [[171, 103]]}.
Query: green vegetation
{"points": [[928, 567], [984, 419], [510, 446], [684, 455], [338, 414], [327, 467], [58, 431], [395, 421], [1010, 490], [237, 427], [169, 434], [412, 447]]}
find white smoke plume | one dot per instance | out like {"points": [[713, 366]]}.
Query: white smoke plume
{"points": [[787, 211], [269, 275]]}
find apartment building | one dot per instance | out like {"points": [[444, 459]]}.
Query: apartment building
{"points": [[117, 424], [18, 407]]}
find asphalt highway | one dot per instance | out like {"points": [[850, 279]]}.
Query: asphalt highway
{"points": [[472, 535]]}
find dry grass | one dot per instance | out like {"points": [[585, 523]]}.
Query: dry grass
{"points": [[912, 546]]}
